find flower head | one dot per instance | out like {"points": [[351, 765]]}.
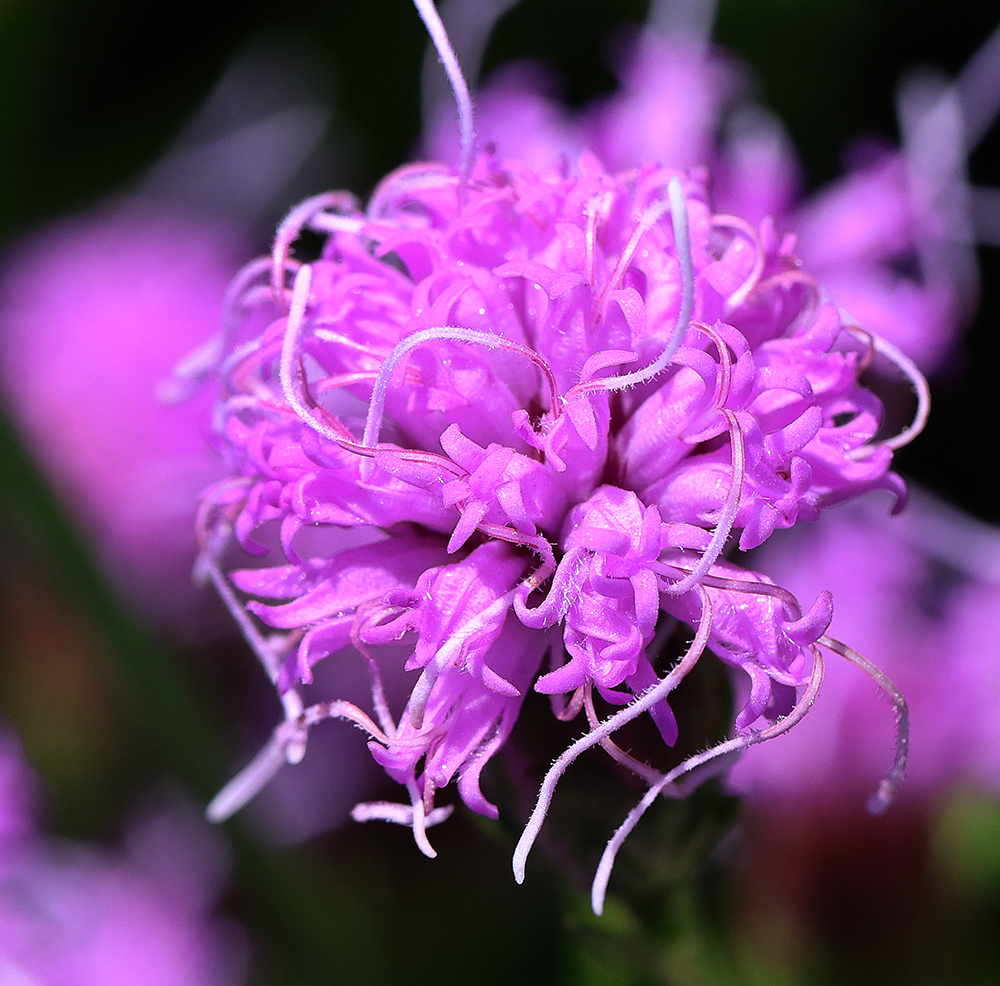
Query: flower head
{"points": [[452, 384], [510, 419]]}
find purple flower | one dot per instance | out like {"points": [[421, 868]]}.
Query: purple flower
{"points": [[73, 915], [503, 428], [440, 431]]}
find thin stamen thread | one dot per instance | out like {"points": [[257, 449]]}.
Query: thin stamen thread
{"points": [[446, 333], [287, 745], [682, 241], [614, 722], [753, 278], [650, 774], [728, 514], [922, 389], [737, 744], [449, 60], [892, 781], [290, 228], [289, 365]]}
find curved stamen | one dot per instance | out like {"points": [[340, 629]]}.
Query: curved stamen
{"points": [[211, 534], [367, 613], [788, 279], [414, 456], [289, 230], [470, 26], [439, 37], [649, 218], [727, 516], [682, 240], [596, 208], [892, 781], [743, 291], [447, 333], [290, 368], [725, 381], [420, 821], [249, 781], [537, 543], [751, 588], [239, 371], [397, 814], [287, 744], [922, 389], [196, 366], [342, 341], [344, 380], [567, 711], [389, 199], [268, 656], [449, 652], [334, 222], [650, 774], [599, 887], [644, 702]]}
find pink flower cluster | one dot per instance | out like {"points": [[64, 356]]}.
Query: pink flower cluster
{"points": [[76, 916], [510, 424]]}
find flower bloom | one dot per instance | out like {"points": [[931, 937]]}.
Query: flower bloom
{"points": [[498, 431], [78, 917], [95, 312]]}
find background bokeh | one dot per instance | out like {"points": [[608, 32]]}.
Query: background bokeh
{"points": [[115, 710]]}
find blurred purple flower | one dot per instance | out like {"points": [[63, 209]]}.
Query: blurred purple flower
{"points": [[888, 241], [17, 795], [96, 311], [927, 612], [76, 916]]}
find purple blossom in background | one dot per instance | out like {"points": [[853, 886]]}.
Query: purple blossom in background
{"points": [[927, 612], [95, 313], [888, 241], [77, 916], [96, 310], [502, 428]]}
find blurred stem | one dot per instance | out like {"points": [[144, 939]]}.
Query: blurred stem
{"points": [[158, 695], [679, 945]]}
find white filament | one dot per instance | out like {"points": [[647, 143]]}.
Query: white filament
{"points": [[682, 241], [439, 37]]}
